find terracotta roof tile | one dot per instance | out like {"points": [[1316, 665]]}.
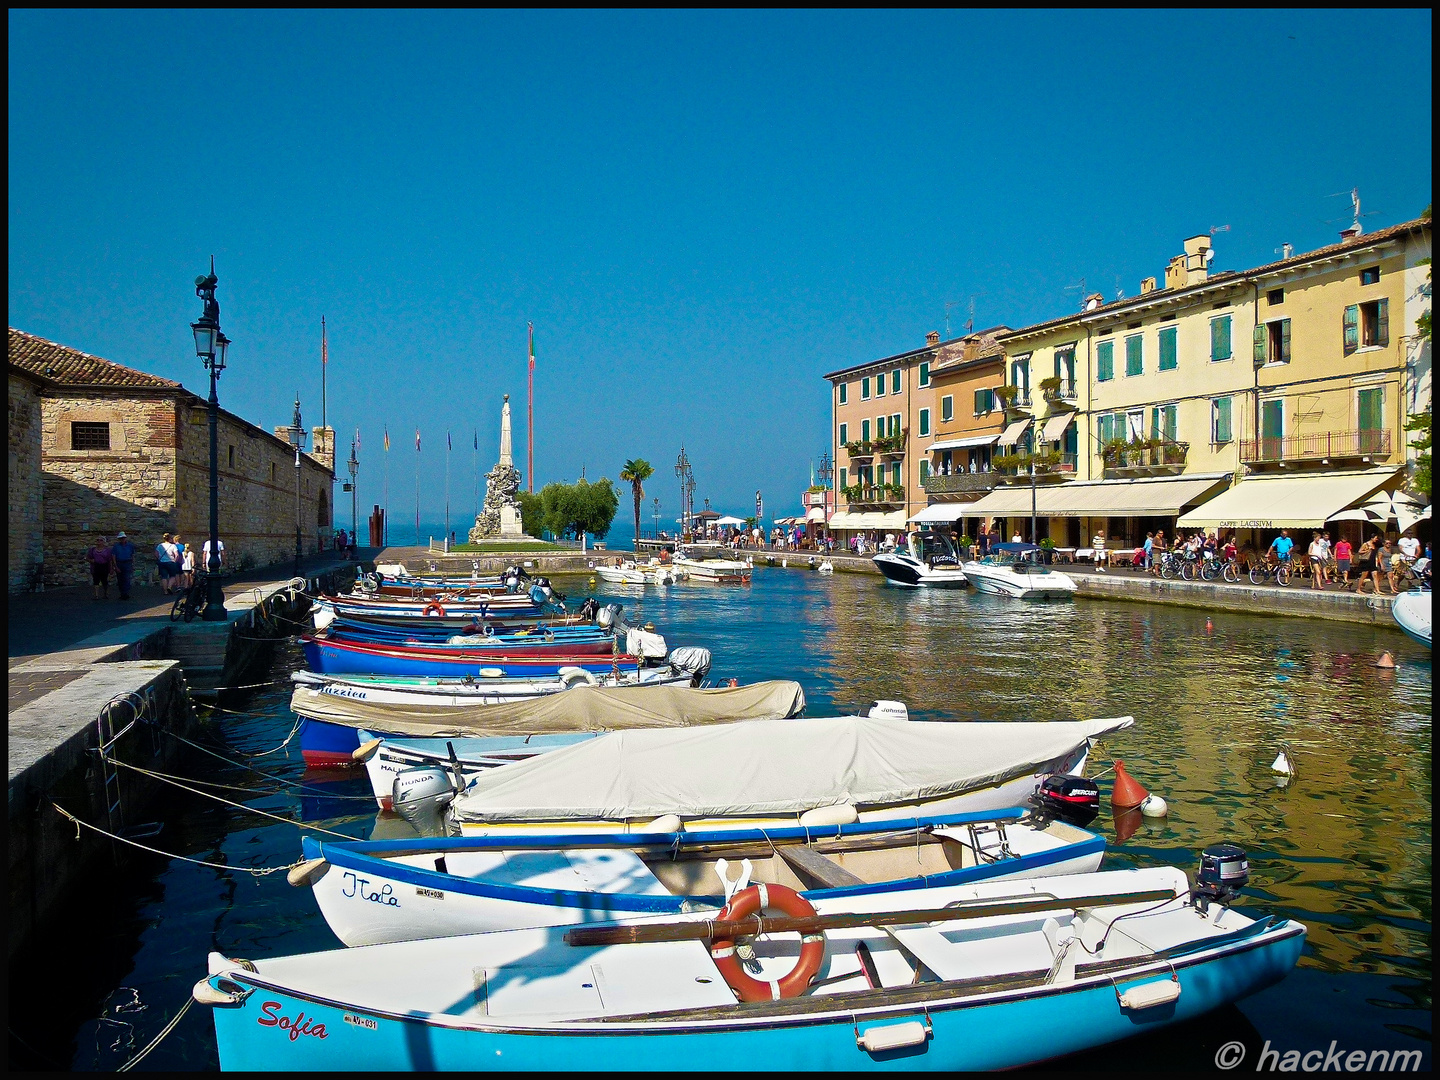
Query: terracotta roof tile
{"points": [[65, 366]]}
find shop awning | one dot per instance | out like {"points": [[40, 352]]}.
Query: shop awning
{"points": [[1101, 498], [944, 512], [1011, 435], [815, 513], [961, 444], [869, 520], [1286, 502], [1055, 427]]}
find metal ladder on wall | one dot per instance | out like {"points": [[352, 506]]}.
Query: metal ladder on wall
{"points": [[140, 706]]}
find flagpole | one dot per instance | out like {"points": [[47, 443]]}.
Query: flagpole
{"points": [[530, 436], [417, 487], [475, 442], [448, 448], [385, 525], [324, 364]]}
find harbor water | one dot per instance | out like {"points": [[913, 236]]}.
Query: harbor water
{"points": [[1343, 847]]}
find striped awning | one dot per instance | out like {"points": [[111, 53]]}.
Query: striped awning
{"points": [[1055, 427], [868, 520], [1102, 498], [1011, 435]]}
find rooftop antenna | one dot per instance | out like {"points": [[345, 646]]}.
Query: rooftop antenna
{"points": [[1354, 196], [1119, 290], [970, 323], [1081, 287], [949, 305], [1210, 251]]}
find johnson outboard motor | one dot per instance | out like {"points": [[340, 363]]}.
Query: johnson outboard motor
{"points": [[1068, 798], [420, 795], [1224, 871]]}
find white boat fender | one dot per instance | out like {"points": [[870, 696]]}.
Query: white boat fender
{"points": [[1150, 994], [1154, 806], [308, 872], [575, 676], [838, 814], [741, 882], [206, 994], [877, 1040], [665, 823], [366, 750]]}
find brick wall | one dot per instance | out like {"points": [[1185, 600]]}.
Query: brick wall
{"points": [[26, 543]]}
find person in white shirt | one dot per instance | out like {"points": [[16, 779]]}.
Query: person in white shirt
{"points": [[1410, 547], [1098, 543], [205, 554], [1316, 551]]}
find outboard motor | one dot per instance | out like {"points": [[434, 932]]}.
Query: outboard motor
{"points": [[420, 795], [1068, 798], [538, 595], [607, 616], [589, 609], [693, 659], [889, 710], [1224, 871]]}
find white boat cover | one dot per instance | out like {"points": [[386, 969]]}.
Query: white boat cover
{"points": [[766, 766], [582, 708]]}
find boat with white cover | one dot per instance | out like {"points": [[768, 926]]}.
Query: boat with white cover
{"points": [[468, 885], [767, 773], [459, 691], [966, 977], [1014, 570], [715, 571], [926, 557], [1412, 611], [629, 572]]}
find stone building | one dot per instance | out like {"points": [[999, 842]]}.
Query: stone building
{"points": [[26, 487], [123, 449]]}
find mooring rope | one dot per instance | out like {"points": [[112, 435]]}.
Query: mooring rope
{"points": [[259, 772], [253, 871], [239, 806], [156, 1041]]}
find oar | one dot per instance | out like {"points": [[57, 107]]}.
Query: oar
{"points": [[756, 924]]}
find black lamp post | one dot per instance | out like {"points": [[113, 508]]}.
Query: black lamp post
{"points": [[354, 466], [655, 502], [296, 433], [211, 346]]}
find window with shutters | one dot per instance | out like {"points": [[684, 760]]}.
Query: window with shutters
{"points": [[1065, 365], [89, 435], [1366, 326], [1370, 275], [925, 373], [894, 424], [947, 409], [1370, 407], [924, 471], [1135, 355], [1272, 342], [844, 477], [865, 388], [843, 395], [924, 421], [1220, 338], [1105, 361], [984, 401], [844, 434], [1163, 422], [864, 430], [1221, 425], [895, 381], [1135, 425], [1169, 358], [1020, 373], [879, 385]]}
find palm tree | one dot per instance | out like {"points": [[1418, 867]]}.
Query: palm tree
{"points": [[635, 473]]}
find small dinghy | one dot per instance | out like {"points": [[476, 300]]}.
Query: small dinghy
{"points": [[967, 977], [1412, 611], [466, 885]]}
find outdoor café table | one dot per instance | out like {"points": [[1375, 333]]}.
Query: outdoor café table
{"points": [[1065, 555]]}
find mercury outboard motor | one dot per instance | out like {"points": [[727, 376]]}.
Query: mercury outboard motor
{"points": [[420, 795], [1224, 871], [1068, 798]]}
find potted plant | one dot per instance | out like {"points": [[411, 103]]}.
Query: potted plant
{"points": [[963, 546], [1047, 550], [1113, 452], [1006, 462], [1006, 395], [1050, 387]]}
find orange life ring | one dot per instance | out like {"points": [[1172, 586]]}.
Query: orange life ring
{"points": [[751, 902], [434, 608]]}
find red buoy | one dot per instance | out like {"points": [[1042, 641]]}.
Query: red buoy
{"points": [[1209, 626], [1385, 661], [1126, 791]]}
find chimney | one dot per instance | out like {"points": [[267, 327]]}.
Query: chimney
{"points": [[932, 338], [1193, 266], [1093, 301], [1350, 233], [1147, 285]]}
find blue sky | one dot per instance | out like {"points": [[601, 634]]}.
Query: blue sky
{"points": [[701, 213]]}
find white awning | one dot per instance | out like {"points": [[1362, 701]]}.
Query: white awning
{"points": [[1055, 427], [961, 444], [730, 522], [1286, 502], [1011, 435], [869, 520], [815, 513], [1101, 498], [944, 512]]}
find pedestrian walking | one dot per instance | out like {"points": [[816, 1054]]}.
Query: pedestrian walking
{"points": [[1149, 550], [187, 563], [167, 558], [124, 552], [101, 560], [220, 556], [1098, 543], [1342, 563], [1316, 553]]}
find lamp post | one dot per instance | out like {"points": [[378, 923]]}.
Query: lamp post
{"points": [[1034, 534], [656, 514], [826, 473], [354, 466], [211, 346], [687, 490], [296, 433]]}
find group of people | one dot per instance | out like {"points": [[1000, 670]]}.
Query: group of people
{"points": [[175, 562], [345, 543]]}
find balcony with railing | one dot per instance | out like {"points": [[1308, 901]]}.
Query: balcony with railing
{"points": [[1049, 466], [1319, 447], [1059, 391], [1013, 398], [1145, 457], [959, 483], [885, 446], [874, 494]]}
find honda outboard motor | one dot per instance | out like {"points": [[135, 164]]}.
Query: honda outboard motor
{"points": [[1224, 871], [420, 795], [693, 659], [1069, 798]]}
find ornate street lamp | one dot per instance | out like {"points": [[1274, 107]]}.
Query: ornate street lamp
{"points": [[212, 346], [296, 434], [656, 502], [354, 466]]}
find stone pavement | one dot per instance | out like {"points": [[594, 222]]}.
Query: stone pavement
{"points": [[57, 619]]}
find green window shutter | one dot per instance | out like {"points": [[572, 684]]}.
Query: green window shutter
{"points": [[865, 388], [1222, 420], [1155, 422], [1134, 355], [1220, 338], [1272, 420], [843, 388], [979, 402], [1105, 361], [925, 373], [1284, 341], [1261, 333], [895, 424], [844, 476], [844, 432], [1382, 322], [895, 381], [1171, 416], [1168, 357], [924, 421], [1107, 428], [864, 430], [1372, 409], [924, 470], [879, 385], [1352, 328], [947, 408]]}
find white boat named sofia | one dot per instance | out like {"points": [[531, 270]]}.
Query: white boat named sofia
{"points": [[972, 977], [466, 885]]}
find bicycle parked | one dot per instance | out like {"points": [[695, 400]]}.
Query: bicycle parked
{"points": [[1212, 566], [1261, 572], [1178, 564], [193, 601]]}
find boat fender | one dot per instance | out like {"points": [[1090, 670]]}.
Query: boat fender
{"points": [[365, 751], [665, 823], [433, 608], [1150, 994], [752, 902], [877, 1040], [215, 990], [492, 673], [308, 872], [575, 676], [838, 814], [1154, 806]]}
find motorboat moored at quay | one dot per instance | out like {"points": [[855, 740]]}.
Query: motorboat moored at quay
{"points": [[1412, 610], [926, 557], [1014, 570]]}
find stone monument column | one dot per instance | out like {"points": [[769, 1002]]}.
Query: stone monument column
{"points": [[500, 517]]}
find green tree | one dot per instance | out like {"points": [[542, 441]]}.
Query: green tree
{"points": [[635, 473], [532, 512], [573, 509]]}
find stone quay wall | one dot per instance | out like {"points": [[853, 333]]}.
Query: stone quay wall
{"points": [[25, 490]]}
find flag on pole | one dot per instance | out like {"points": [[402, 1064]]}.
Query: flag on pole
{"points": [[357, 440], [477, 438], [387, 438], [531, 327], [417, 440], [448, 445]]}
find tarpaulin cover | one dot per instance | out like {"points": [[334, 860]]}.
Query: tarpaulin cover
{"points": [[769, 767], [583, 708]]}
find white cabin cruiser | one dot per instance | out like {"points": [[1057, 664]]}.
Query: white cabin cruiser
{"points": [[721, 571], [926, 558], [629, 572], [1412, 611], [1015, 570]]}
